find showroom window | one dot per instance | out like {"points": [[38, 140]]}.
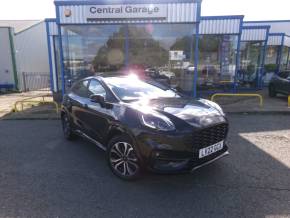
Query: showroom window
{"points": [[251, 57], [164, 52], [271, 58], [285, 58], [217, 61], [90, 49]]}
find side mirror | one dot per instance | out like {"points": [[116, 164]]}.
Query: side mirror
{"points": [[98, 99]]}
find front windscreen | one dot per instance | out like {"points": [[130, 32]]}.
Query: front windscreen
{"points": [[130, 89]]}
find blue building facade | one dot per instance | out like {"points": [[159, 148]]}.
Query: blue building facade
{"points": [[167, 39], [89, 37]]}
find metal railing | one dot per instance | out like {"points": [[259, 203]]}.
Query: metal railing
{"points": [[31, 101], [239, 95], [34, 81]]}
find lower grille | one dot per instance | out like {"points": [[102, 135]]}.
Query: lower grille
{"points": [[210, 136]]}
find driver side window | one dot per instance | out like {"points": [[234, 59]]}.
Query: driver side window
{"points": [[96, 88]]}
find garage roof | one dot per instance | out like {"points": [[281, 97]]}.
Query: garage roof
{"points": [[18, 25]]}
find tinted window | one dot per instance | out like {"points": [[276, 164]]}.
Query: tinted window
{"points": [[96, 88], [81, 89]]}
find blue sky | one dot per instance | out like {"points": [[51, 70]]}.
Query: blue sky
{"points": [[253, 9]]}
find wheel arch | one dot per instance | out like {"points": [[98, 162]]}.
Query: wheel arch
{"points": [[117, 130]]}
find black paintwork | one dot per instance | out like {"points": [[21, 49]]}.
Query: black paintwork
{"points": [[280, 83], [155, 148]]}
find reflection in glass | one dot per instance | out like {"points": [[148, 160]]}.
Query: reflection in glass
{"points": [[163, 52], [251, 57], [285, 58], [217, 61], [89, 49], [271, 58]]}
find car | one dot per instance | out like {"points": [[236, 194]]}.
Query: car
{"points": [[144, 126], [280, 84]]}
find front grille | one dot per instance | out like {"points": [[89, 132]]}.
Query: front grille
{"points": [[210, 136]]}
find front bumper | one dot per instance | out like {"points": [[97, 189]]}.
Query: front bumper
{"points": [[177, 152], [167, 162], [226, 153]]}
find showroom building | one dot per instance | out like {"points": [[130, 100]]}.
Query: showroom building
{"points": [[278, 48], [197, 54], [134, 35], [218, 46], [252, 53]]}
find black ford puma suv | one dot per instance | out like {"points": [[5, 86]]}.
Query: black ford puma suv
{"points": [[143, 125]]}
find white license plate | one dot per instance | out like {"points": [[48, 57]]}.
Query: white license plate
{"points": [[211, 149]]}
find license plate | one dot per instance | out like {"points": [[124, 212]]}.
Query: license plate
{"points": [[211, 149]]}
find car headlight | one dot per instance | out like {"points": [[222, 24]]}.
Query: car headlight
{"points": [[213, 105], [157, 121]]}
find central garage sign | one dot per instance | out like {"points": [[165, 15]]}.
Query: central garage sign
{"points": [[118, 12]]}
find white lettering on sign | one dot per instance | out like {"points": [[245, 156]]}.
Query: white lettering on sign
{"points": [[153, 11]]}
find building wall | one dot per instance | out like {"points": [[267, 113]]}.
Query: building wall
{"points": [[276, 26], [220, 25], [6, 63], [32, 58], [31, 50]]}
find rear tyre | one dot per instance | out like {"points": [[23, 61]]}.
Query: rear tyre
{"points": [[123, 159], [272, 91], [67, 128]]}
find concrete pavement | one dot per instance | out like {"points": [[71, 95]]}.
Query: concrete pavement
{"points": [[42, 175]]}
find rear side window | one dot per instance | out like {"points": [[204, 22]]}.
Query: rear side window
{"points": [[81, 89]]}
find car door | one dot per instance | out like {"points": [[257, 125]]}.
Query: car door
{"points": [[78, 101], [98, 118]]}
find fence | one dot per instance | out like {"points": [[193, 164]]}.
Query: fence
{"points": [[32, 81]]}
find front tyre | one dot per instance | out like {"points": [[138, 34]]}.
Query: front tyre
{"points": [[123, 159], [67, 128]]}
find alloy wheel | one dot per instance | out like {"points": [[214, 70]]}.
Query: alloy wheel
{"points": [[123, 159]]}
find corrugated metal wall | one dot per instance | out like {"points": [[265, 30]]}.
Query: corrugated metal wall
{"points": [[276, 26], [53, 31], [287, 41], [32, 51], [6, 64], [177, 13], [275, 40], [257, 34], [220, 26]]}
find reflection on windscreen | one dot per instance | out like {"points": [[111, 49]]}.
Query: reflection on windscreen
{"points": [[128, 89]]}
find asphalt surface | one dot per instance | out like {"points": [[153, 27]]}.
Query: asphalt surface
{"points": [[42, 175]]}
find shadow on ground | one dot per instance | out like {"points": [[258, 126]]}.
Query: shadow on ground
{"points": [[42, 175]]}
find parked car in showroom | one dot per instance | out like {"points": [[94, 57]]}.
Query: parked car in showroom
{"points": [[144, 126], [280, 84]]}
